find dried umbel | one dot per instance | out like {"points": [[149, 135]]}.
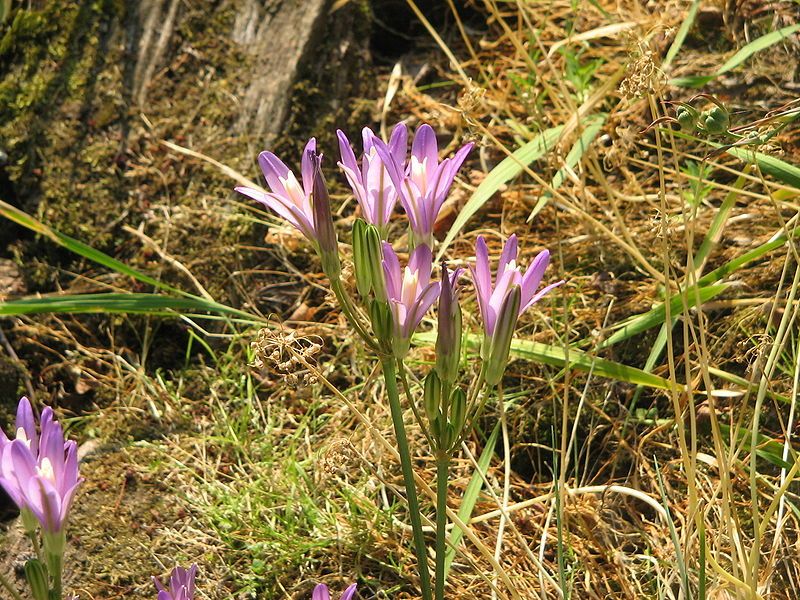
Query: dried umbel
{"points": [[643, 76], [286, 352]]}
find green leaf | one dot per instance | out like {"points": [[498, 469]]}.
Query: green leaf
{"points": [[762, 43], [593, 125], [471, 494], [151, 304], [768, 449], [509, 168]]}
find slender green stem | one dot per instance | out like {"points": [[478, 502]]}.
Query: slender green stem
{"points": [[11, 589], [442, 473], [350, 312], [390, 376], [401, 368], [55, 566]]}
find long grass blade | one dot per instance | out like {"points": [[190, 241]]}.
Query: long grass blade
{"points": [[680, 37], [658, 315], [14, 214], [508, 168], [757, 45], [471, 495], [150, 304], [592, 128]]}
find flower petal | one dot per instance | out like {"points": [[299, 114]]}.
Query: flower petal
{"points": [[321, 592], [349, 592], [392, 272], [425, 146], [306, 168]]}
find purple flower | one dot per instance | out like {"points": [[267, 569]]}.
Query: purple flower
{"points": [[321, 593], [491, 297], [40, 472], [181, 584], [373, 186], [425, 182], [410, 291], [288, 198]]}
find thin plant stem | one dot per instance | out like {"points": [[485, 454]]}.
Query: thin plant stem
{"points": [[442, 474], [350, 312], [390, 378], [11, 589], [401, 368]]}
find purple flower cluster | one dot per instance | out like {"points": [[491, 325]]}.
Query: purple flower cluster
{"points": [[39, 469], [385, 175]]}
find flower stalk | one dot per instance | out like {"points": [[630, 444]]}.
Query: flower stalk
{"points": [[390, 379]]}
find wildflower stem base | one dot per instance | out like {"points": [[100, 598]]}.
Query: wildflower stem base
{"points": [[390, 377], [442, 472], [5, 583]]}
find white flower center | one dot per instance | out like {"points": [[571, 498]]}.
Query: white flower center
{"points": [[294, 190], [419, 174], [45, 469], [23, 437], [410, 286]]}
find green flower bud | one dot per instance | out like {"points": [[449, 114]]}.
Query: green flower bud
{"points": [[375, 262], [323, 222], [36, 574], [361, 258], [503, 333], [458, 411], [381, 316], [432, 397], [448, 339]]}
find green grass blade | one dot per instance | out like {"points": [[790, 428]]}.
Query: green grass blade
{"points": [[509, 168], [680, 37], [471, 494], [592, 128], [658, 315], [22, 218], [757, 45], [777, 168], [557, 356], [746, 258], [150, 304]]}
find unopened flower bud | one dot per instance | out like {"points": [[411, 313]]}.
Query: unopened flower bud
{"points": [[361, 258], [36, 574], [501, 338], [375, 262], [381, 317], [323, 221], [458, 411], [432, 397], [448, 339]]}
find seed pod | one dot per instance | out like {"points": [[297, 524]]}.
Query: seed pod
{"points": [[687, 117], [717, 120]]}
